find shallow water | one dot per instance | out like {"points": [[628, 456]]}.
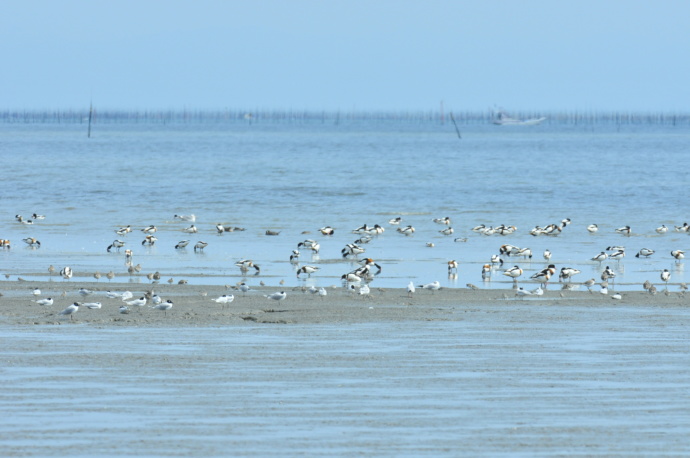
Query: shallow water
{"points": [[299, 177], [520, 380]]}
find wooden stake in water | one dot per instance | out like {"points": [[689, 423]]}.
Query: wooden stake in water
{"points": [[452, 118], [88, 135]]}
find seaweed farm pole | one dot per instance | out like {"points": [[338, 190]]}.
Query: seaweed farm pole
{"points": [[88, 134], [452, 118]]}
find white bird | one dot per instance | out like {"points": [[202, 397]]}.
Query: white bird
{"points": [[452, 266], [165, 306], [410, 289], [124, 309], [92, 305], [589, 283], [604, 290], [190, 230], [37, 216], [644, 252], [307, 270], [224, 299], [70, 310], [513, 272], [181, 244], [46, 301], [156, 299], [433, 286], [124, 230], [199, 246], [538, 291], [137, 302], [592, 228], [617, 297], [149, 229], [395, 221], [189, 218], [276, 296], [364, 290], [36, 292], [220, 228], [625, 230], [600, 257], [244, 287], [447, 231], [678, 254], [665, 276], [522, 292], [85, 292], [117, 244], [126, 295], [567, 273], [547, 254], [323, 292], [407, 230], [444, 220], [618, 255], [66, 273], [662, 229]]}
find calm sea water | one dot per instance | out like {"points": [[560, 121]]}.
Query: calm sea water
{"points": [[298, 177], [512, 379]]}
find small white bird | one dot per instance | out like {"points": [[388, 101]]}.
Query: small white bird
{"points": [[224, 299], [70, 310], [538, 291], [244, 287], [137, 302], [433, 286], [165, 306], [625, 230], [190, 230], [410, 289], [364, 290], [665, 276], [66, 273], [126, 295], [276, 296], [36, 292], [600, 257], [189, 218], [92, 305], [592, 228], [124, 309], [307, 270], [447, 231], [181, 244], [678, 254], [616, 296], [644, 252], [46, 301], [199, 246], [522, 292], [662, 229], [85, 292], [323, 292], [156, 299], [547, 254]]}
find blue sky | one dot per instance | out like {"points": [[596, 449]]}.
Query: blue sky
{"points": [[346, 55]]}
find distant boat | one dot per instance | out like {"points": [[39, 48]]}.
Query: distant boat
{"points": [[503, 119]]}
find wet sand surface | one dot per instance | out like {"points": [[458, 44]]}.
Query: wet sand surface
{"points": [[454, 372]]}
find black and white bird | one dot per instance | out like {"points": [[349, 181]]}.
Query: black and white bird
{"points": [[645, 253], [276, 296], [199, 246], [307, 270], [45, 302], [66, 273], [164, 306], [71, 310]]}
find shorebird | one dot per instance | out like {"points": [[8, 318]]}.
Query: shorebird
{"points": [[72, 309], [600, 257], [486, 271], [567, 273], [479, 228], [644, 252], [625, 230], [294, 257], [247, 264], [410, 289], [322, 292], [149, 240], [444, 220], [547, 254], [521, 292], [32, 242], [662, 229], [181, 244], [608, 273], [117, 244], [220, 228], [149, 229], [351, 249], [45, 302], [618, 255], [351, 278], [665, 276], [447, 231], [165, 306], [244, 288], [513, 272], [199, 246], [36, 292], [678, 254], [433, 286], [189, 218], [452, 266], [307, 270], [589, 283], [276, 296], [407, 230], [92, 305], [85, 292], [224, 299], [327, 230], [543, 276], [496, 259], [190, 230], [395, 221], [66, 273], [123, 230], [592, 228], [137, 302]]}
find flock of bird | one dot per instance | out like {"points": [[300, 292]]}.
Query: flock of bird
{"points": [[359, 278]]}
